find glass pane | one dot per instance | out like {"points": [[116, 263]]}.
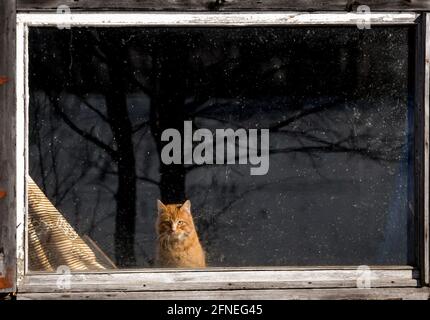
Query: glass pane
{"points": [[316, 169]]}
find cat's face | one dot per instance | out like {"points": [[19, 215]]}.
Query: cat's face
{"points": [[175, 222]]}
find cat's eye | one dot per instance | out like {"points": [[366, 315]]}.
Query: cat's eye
{"points": [[181, 223]]}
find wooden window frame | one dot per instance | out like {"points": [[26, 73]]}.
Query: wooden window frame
{"points": [[224, 5], [272, 282]]}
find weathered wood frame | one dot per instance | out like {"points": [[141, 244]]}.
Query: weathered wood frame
{"points": [[7, 145], [274, 282], [224, 5], [422, 96]]}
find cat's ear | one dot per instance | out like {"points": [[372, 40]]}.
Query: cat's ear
{"points": [[161, 207], [187, 206]]}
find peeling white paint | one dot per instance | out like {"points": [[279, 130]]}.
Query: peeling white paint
{"points": [[212, 19]]}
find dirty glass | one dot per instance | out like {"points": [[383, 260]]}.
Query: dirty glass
{"points": [[322, 176]]}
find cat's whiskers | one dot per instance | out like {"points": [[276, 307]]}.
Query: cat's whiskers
{"points": [[163, 240]]}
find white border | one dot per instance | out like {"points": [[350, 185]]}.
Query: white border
{"points": [[213, 19], [21, 140]]}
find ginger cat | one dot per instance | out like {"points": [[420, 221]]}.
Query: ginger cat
{"points": [[178, 242]]}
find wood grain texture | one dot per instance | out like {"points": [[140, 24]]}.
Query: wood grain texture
{"points": [[284, 289], [213, 19], [422, 56], [425, 275], [225, 5], [291, 294], [217, 280], [7, 145]]}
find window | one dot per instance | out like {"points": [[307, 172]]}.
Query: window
{"points": [[299, 143], [341, 139]]}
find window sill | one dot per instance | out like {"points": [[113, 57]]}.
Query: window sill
{"points": [[222, 279], [279, 294]]}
